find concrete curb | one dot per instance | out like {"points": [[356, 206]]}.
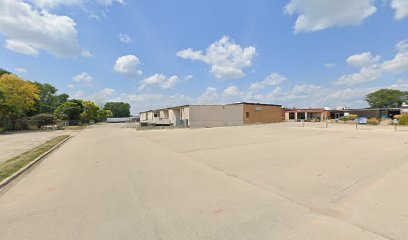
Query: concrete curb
{"points": [[8, 180]]}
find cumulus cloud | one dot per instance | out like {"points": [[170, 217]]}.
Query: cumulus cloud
{"points": [[56, 3], [227, 59], [366, 74], [316, 15], [232, 91], [128, 66], [209, 96], [399, 63], [161, 80], [372, 70], [83, 78], [401, 8], [124, 38], [28, 30], [171, 82], [362, 60], [271, 80]]}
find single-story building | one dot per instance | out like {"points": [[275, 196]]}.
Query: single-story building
{"points": [[379, 113], [307, 114], [236, 114]]}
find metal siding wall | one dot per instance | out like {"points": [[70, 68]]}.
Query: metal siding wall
{"points": [[216, 116]]}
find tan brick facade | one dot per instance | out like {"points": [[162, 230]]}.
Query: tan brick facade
{"points": [[254, 113]]}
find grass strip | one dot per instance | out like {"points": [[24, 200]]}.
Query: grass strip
{"points": [[11, 166]]}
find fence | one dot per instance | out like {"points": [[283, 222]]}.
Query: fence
{"points": [[347, 125], [27, 124]]}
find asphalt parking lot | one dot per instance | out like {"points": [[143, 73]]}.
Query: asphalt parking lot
{"points": [[277, 181]]}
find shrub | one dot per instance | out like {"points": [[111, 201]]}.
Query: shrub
{"points": [[373, 121], [40, 120], [352, 117], [403, 120]]}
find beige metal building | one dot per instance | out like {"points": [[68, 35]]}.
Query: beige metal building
{"points": [[236, 114]]}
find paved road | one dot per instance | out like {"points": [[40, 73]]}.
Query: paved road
{"points": [[14, 144], [257, 182]]}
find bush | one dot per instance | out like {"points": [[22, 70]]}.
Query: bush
{"points": [[352, 117], [403, 120], [373, 121], [40, 120]]}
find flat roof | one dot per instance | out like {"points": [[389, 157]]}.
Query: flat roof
{"points": [[364, 109], [188, 105], [258, 104]]}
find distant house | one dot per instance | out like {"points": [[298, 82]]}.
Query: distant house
{"points": [[236, 114]]}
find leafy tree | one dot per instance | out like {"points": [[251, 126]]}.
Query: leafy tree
{"points": [[70, 110], [18, 96], [2, 72], [90, 112], [108, 113], [118, 109], [49, 100], [101, 115], [386, 98]]}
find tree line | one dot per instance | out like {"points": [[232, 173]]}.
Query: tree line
{"points": [[25, 105]]}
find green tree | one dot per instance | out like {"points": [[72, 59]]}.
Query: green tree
{"points": [[18, 96], [2, 72], [108, 113], [70, 110], [90, 112], [49, 100], [386, 98], [118, 109], [101, 115]]}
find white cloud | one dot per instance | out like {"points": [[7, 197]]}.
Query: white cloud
{"points": [[21, 70], [161, 80], [271, 80], [362, 60], [71, 86], [366, 74], [28, 30], [226, 58], [152, 80], [56, 3], [401, 8], [329, 65], [83, 78], [171, 82], [371, 70], [209, 96], [128, 66], [189, 77], [20, 47], [232, 91], [316, 15], [399, 63], [124, 38], [86, 53]]}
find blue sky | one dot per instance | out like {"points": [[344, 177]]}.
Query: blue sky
{"points": [[299, 53]]}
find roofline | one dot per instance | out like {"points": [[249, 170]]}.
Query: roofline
{"points": [[190, 105], [364, 109], [259, 104]]}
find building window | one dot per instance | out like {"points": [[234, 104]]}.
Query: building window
{"points": [[247, 114], [155, 115], [258, 109]]}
